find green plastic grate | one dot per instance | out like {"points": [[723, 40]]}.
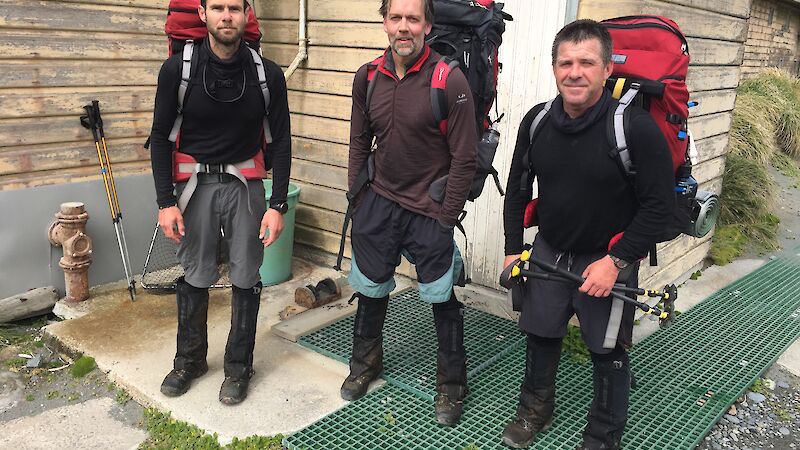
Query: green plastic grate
{"points": [[687, 377], [410, 342]]}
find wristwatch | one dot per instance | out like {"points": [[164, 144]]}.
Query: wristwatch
{"points": [[280, 207], [621, 264]]}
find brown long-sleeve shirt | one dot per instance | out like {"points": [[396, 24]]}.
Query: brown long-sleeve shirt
{"points": [[411, 150]]}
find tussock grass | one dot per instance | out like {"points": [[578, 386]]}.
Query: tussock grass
{"points": [[765, 130]]}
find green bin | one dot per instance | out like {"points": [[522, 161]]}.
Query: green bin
{"points": [[277, 265]]}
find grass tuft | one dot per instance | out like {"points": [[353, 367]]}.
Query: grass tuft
{"points": [[765, 131], [82, 366]]}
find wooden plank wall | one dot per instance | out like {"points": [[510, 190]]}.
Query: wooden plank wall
{"points": [[56, 56], [716, 31], [343, 35]]}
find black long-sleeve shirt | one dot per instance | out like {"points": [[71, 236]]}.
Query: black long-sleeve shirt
{"points": [[584, 197], [222, 117]]}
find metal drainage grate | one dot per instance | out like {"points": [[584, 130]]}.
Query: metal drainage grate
{"points": [[687, 376], [410, 342]]}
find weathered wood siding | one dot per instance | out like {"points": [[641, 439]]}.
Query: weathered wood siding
{"points": [[716, 31], [55, 57], [772, 37]]}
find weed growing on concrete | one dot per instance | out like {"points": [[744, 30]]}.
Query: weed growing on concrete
{"points": [[123, 397], [167, 433], [83, 366], [30, 398], [73, 396], [472, 446], [52, 395], [15, 363]]}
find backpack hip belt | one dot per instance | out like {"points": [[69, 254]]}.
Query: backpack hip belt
{"points": [[186, 169]]}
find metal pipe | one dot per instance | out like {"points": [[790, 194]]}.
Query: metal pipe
{"points": [[302, 41], [68, 231]]}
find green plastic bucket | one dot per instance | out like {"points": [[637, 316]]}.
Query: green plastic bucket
{"points": [[277, 265]]}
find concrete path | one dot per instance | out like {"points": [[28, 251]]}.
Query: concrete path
{"points": [[88, 425]]}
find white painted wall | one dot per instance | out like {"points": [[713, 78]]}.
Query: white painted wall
{"points": [[526, 79]]}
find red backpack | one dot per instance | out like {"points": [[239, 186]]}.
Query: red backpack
{"points": [[184, 24], [651, 60]]}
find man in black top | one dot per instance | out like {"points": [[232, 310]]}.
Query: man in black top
{"points": [[584, 200], [218, 165]]}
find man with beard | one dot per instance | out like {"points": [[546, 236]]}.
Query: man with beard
{"points": [[395, 214], [585, 199], [219, 165]]}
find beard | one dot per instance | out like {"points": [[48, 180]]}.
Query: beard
{"points": [[226, 39], [406, 50]]}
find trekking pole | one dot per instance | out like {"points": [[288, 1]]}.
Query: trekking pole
{"points": [[126, 255], [666, 293], [90, 121], [526, 257]]}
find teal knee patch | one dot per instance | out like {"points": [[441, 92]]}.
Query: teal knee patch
{"points": [[364, 285], [439, 291]]}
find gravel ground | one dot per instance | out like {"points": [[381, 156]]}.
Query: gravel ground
{"points": [[767, 416]]}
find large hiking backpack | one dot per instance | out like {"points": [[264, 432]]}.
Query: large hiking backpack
{"points": [[651, 60]]}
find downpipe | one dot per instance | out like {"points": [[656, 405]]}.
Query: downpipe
{"points": [[302, 41], [68, 231]]}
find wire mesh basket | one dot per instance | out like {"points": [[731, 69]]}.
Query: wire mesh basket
{"points": [[162, 270]]}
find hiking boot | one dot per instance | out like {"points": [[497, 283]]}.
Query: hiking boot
{"points": [[178, 381], [366, 361], [451, 362], [608, 412], [537, 394], [233, 390], [192, 339], [449, 405], [521, 431]]}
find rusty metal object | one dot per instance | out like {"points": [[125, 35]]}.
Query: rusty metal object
{"points": [[326, 291], [69, 232]]}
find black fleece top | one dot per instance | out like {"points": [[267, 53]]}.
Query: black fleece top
{"points": [[222, 117], [584, 197]]}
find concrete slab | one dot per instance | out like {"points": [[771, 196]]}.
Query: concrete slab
{"points": [[134, 342], [67, 426]]}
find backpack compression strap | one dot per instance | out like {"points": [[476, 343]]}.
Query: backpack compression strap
{"points": [[438, 96], [186, 68]]}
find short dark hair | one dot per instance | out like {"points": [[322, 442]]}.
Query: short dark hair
{"points": [[583, 30], [428, 5], [203, 3]]}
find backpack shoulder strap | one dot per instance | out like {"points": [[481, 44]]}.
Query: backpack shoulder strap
{"points": [[372, 80], [439, 77], [525, 179], [262, 83], [619, 123], [186, 70]]}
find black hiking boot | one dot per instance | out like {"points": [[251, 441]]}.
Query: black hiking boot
{"points": [[608, 412], [451, 362], [192, 339], [241, 342], [234, 390], [538, 393], [366, 362]]}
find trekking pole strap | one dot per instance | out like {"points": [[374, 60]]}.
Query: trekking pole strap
{"points": [[358, 185]]}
